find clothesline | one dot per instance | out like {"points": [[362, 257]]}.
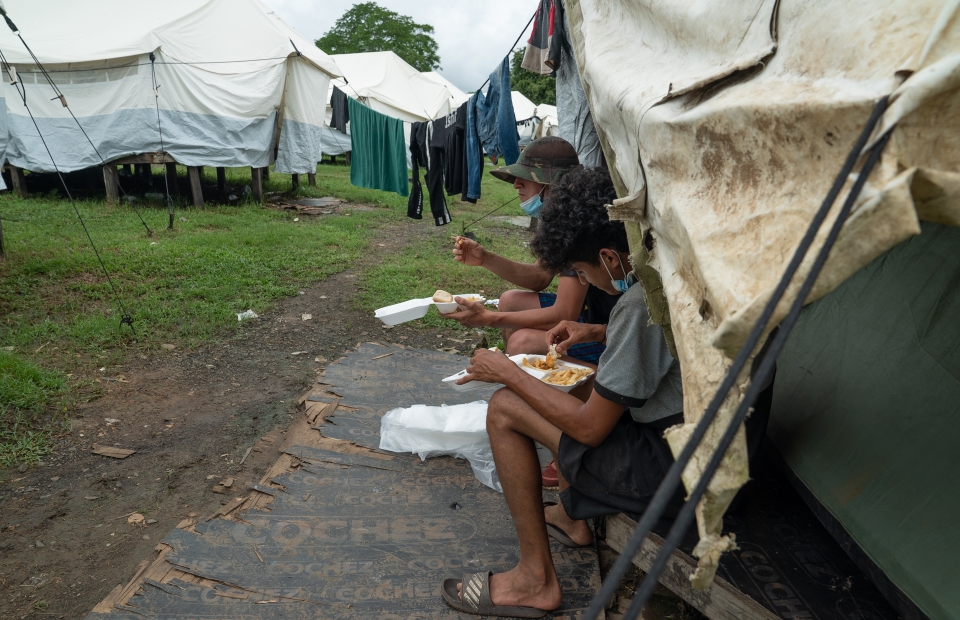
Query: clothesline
{"points": [[512, 47]]}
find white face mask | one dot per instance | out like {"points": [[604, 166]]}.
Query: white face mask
{"points": [[619, 285]]}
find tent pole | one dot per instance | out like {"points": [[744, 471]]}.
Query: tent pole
{"points": [[196, 190], [111, 182], [256, 183], [296, 181], [172, 179], [312, 179], [221, 179], [19, 181]]}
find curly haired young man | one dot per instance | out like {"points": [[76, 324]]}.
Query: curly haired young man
{"points": [[609, 447]]}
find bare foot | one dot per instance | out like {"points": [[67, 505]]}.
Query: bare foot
{"points": [[578, 531], [520, 588]]}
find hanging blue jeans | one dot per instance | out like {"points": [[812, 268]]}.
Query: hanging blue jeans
{"points": [[496, 121], [474, 154]]}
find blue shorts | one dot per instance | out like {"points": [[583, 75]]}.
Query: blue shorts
{"points": [[586, 351]]}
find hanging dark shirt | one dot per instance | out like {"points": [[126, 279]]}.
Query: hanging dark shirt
{"points": [[341, 111], [455, 151]]}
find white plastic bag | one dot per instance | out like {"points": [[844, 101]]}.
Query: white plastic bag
{"points": [[456, 430]]}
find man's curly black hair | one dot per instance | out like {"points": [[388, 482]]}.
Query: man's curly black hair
{"points": [[574, 226]]}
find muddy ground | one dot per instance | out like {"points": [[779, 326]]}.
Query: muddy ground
{"points": [[195, 418]]}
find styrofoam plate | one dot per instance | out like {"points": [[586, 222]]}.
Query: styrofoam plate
{"points": [[518, 360]]}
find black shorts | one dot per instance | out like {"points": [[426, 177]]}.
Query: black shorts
{"points": [[623, 472]]}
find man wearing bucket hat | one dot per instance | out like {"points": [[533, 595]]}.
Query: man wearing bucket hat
{"points": [[525, 316]]}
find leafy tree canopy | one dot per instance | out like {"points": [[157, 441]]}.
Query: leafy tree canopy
{"points": [[368, 27], [537, 88]]}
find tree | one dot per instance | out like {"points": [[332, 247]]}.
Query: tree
{"points": [[368, 27], [537, 88]]}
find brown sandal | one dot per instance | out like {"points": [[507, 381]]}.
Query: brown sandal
{"points": [[476, 598]]}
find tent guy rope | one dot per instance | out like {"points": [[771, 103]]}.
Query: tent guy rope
{"points": [[126, 318]]}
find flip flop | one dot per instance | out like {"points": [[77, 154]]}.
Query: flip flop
{"points": [[476, 598], [549, 476], [559, 535]]}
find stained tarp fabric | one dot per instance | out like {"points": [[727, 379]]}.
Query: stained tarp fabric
{"points": [[867, 412], [228, 73], [724, 124], [379, 159]]}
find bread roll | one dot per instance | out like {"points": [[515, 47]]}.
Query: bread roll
{"points": [[442, 297]]}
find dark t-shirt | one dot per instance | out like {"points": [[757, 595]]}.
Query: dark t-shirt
{"points": [[597, 305]]}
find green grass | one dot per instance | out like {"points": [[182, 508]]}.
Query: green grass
{"points": [[26, 392], [185, 286]]}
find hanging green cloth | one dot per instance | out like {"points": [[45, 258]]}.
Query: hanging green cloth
{"points": [[378, 157]]}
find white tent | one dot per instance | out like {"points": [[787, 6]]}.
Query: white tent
{"points": [[525, 112], [523, 108], [387, 84], [230, 72], [549, 125], [458, 97]]}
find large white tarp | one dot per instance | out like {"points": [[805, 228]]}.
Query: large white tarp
{"points": [[724, 124], [231, 74], [388, 84]]}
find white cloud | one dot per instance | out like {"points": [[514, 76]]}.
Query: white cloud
{"points": [[472, 36]]}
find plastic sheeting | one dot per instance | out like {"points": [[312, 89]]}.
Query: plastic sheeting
{"points": [[867, 412], [226, 69], [723, 125]]}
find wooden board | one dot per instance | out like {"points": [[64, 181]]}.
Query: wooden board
{"points": [[722, 601], [145, 158], [114, 453]]}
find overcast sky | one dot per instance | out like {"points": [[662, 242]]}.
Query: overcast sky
{"points": [[472, 35]]}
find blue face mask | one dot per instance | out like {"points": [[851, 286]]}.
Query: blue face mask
{"points": [[620, 285], [532, 206]]}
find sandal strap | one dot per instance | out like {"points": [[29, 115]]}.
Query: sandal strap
{"points": [[475, 590]]}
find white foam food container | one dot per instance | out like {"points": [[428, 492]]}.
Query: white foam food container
{"points": [[518, 360], [403, 312], [417, 309]]}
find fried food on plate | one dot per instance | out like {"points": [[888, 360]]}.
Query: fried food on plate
{"points": [[567, 376], [538, 364], [442, 297]]}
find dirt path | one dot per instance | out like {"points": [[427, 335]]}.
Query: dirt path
{"points": [[191, 416]]}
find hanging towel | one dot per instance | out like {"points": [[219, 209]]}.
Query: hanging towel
{"points": [[340, 110], [544, 47], [496, 122], [379, 159]]}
